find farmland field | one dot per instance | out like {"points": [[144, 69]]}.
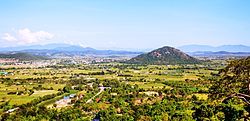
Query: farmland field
{"points": [[98, 88]]}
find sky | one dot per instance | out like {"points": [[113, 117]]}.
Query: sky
{"points": [[117, 24]]}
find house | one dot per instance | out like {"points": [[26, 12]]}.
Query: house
{"points": [[63, 102], [80, 96], [97, 100], [72, 95]]}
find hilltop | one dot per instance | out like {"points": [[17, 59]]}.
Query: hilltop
{"points": [[164, 55]]}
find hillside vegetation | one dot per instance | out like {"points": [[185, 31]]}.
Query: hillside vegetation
{"points": [[163, 56], [22, 56]]}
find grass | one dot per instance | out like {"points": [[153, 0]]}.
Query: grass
{"points": [[49, 103], [201, 96], [23, 99], [146, 85], [43, 93], [54, 86], [81, 92], [149, 74]]}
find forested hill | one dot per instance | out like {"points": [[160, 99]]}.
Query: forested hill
{"points": [[22, 56], [164, 55]]}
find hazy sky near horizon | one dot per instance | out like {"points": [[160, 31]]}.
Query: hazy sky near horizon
{"points": [[124, 23]]}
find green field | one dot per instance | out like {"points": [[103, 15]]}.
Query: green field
{"points": [[129, 88]]}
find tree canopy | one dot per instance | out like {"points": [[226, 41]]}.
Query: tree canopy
{"points": [[234, 81]]}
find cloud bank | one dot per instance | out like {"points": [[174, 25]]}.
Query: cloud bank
{"points": [[26, 36]]}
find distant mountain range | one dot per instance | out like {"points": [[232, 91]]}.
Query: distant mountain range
{"points": [[163, 56], [35, 47], [227, 48], [56, 50], [62, 50], [219, 53]]}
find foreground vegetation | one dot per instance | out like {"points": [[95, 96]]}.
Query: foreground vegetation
{"points": [[114, 91]]}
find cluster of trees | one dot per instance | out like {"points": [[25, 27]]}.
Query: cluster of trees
{"points": [[231, 90], [40, 87], [42, 113], [21, 92], [25, 108]]}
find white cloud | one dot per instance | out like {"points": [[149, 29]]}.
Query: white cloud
{"points": [[69, 42], [26, 36], [8, 37]]}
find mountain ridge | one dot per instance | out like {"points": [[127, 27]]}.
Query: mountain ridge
{"points": [[22, 56], [228, 48], [61, 49], [65, 49], [164, 55]]}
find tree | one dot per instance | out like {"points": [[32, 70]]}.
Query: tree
{"points": [[231, 113], [66, 89], [203, 112], [234, 81]]}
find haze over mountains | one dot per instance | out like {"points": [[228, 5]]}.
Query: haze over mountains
{"points": [[66, 50], [185, 48], [228, 48], [76, 50]]}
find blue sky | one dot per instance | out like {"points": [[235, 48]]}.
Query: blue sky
{"points": [[111, 24]]}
